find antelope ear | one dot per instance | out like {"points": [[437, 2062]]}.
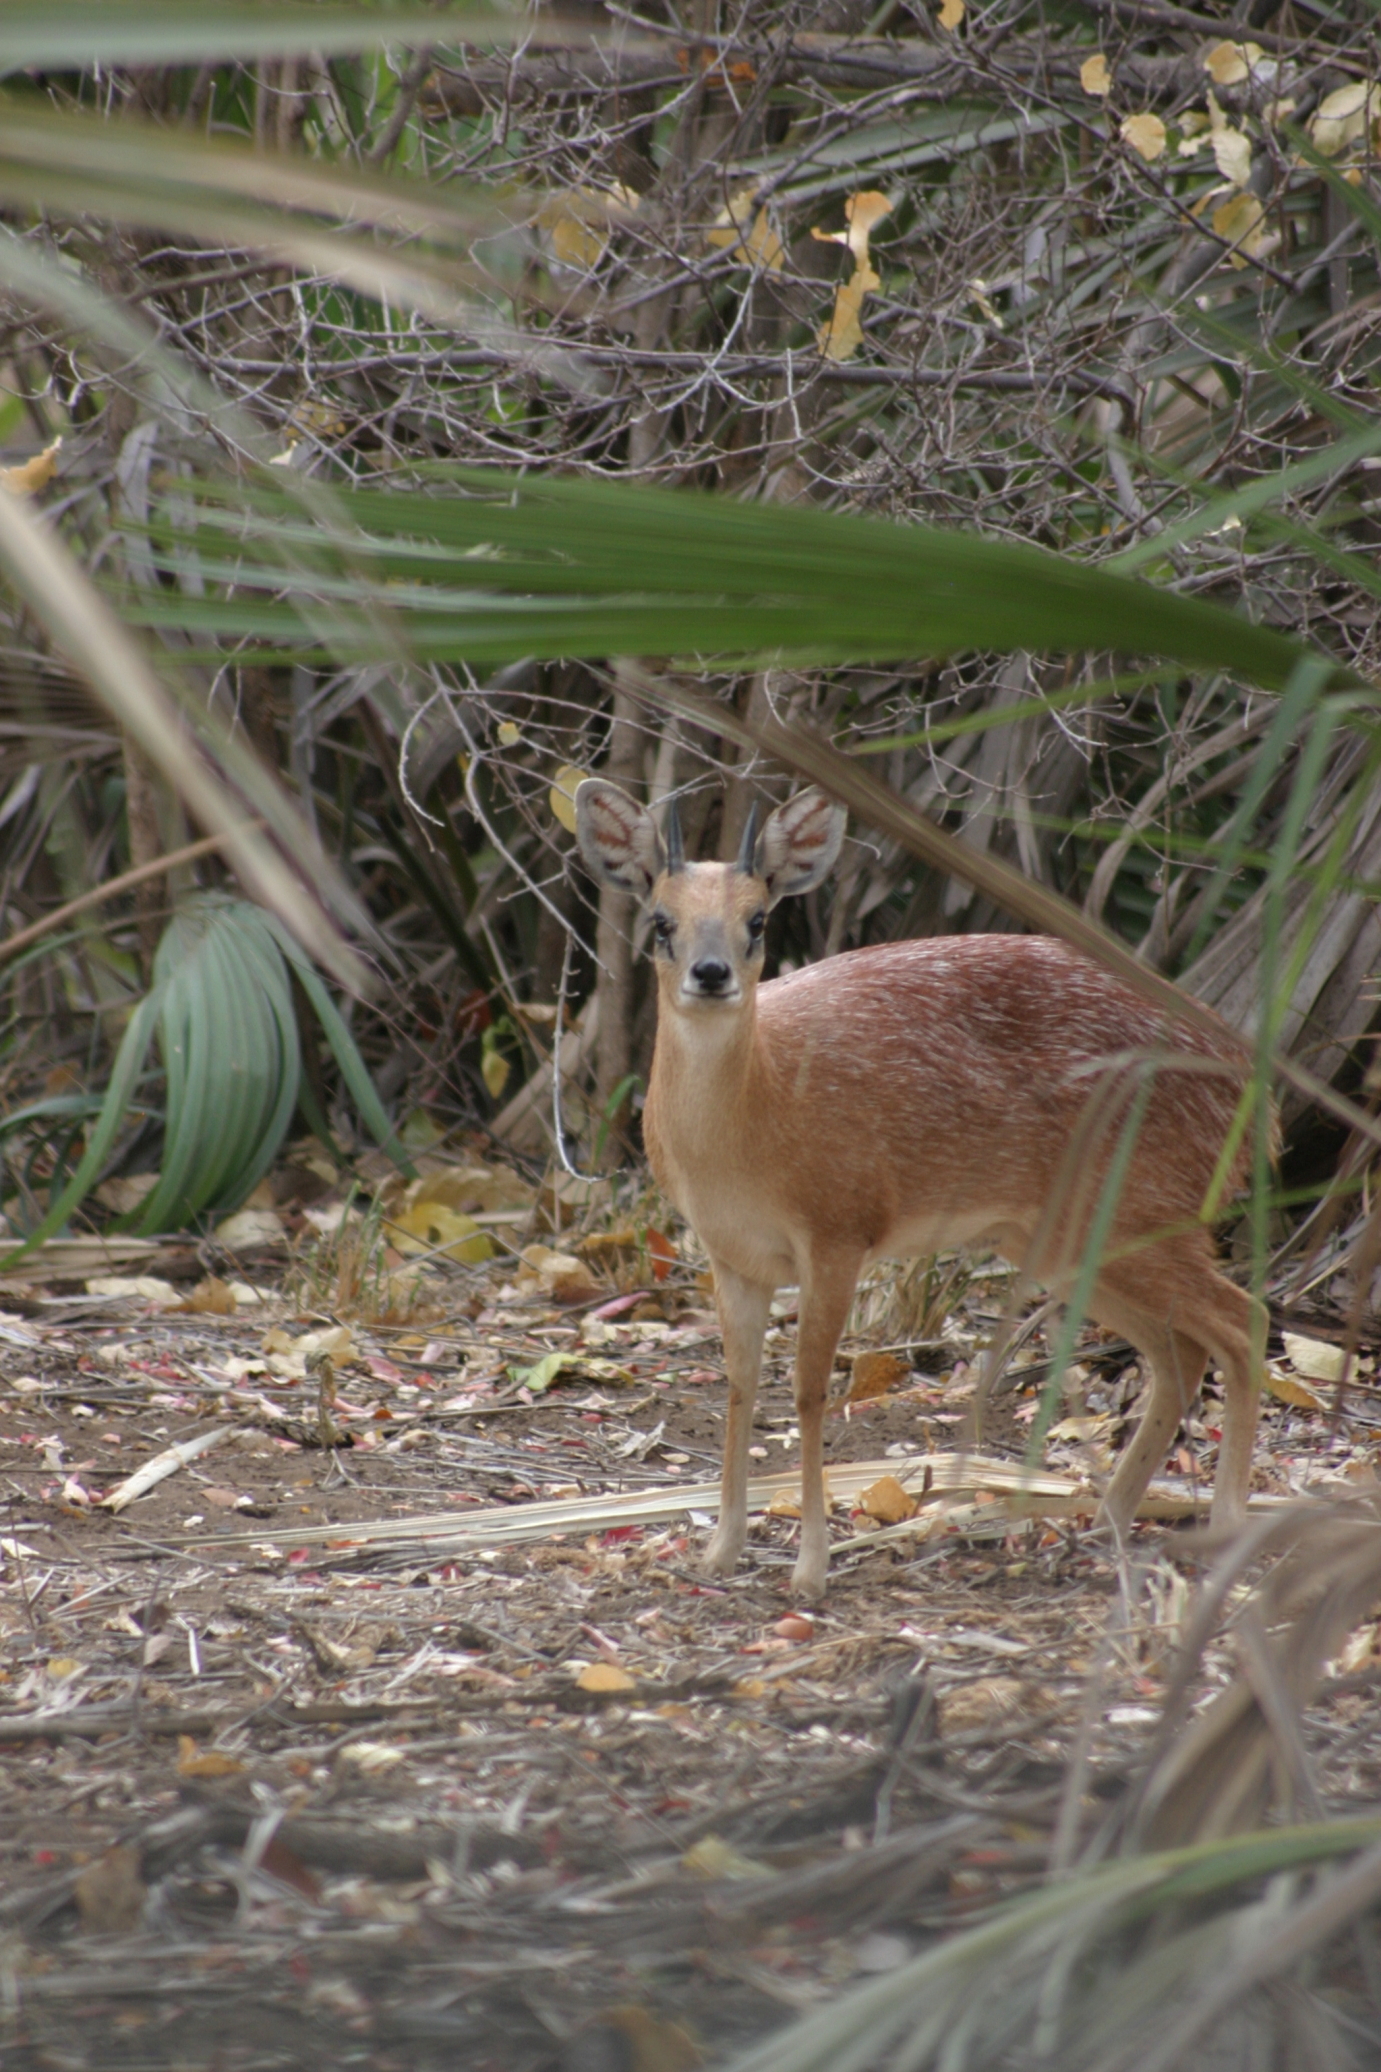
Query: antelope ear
{"points": [[799, 844], [617, 838]]}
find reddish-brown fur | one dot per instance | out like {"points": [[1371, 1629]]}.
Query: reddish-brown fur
{"points": [[891, 1101]]}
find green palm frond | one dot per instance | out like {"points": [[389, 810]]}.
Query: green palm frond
{"points": [[221, 1007]]}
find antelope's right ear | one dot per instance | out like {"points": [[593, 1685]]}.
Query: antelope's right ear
{"points": [[617, 838]]}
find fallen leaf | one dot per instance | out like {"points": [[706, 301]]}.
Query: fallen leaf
{"points": [[841, 337], [221, 1499], [1231, 63], [887, 1501], [211, 1762], [713, 1858], [795, 1626], [125, 1192], [662, 1252], [554, 1367], [146, 1286], [1286, 1389], [1145, 134], [875, 1374], [605, 1676], [1094, 76], [33, 474], [559, 1275], [1314, 1357], [370, 1756], [951, 14], [248, 1228], [212, 1298], [430, 1226], [62, 1668]]}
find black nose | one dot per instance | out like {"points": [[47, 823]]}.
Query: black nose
{"points": [[711, 975]]}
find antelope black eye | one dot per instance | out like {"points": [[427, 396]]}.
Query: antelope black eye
{"points": [[663, 928], [756, 924]]}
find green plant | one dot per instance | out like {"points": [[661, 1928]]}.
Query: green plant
{"points": [[221, 1008]]}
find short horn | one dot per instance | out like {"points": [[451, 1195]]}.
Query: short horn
{"points": [[750, 840], [671, 835]]}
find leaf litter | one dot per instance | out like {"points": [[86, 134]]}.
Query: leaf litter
{"points": [[394, 1722]]}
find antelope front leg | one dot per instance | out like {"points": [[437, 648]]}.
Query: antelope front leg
{"points": [[826, 1292], [743, 1311]]}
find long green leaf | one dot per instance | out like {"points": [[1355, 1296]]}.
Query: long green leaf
{"points": [[347, 1056], [77, 34], [588, 567], [129, 1062]]}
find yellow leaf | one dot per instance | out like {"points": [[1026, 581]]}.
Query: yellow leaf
{"points": [[712, 1857], [979, 291], [763, 245], [1314, 1357], [494, 1071], [430, 1226], [951, 14], [1233, 152], [1341, 118], [1298, 1394], [1231, 63], [740, 228], [579, 221], [510, 733], [887, 1501], [1241, 221], [561, 797], [605, 1676], [192, 1762], [1145, 134], [1344, 101], [841, 337], [874, 1374], [1094, 76], [61, 1667], [211, 1297], [33, 474]]}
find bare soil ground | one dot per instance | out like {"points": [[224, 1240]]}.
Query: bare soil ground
{"points": [[271, 1804]]}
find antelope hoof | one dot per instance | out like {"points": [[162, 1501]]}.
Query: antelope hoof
{"points": [[808, 1580], [721, 1556]]}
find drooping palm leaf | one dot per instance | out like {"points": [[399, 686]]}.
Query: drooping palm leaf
{"points": [[221, 1005], [487, 568]]}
